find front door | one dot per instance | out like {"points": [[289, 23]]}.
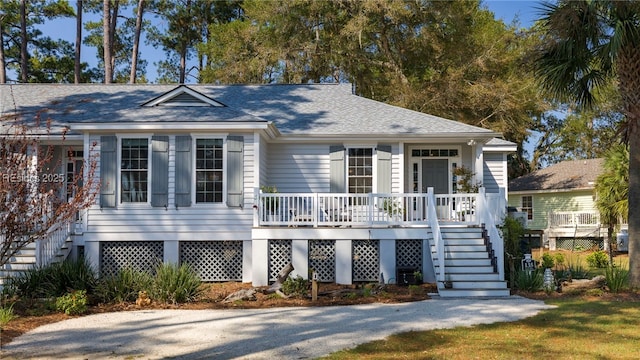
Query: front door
{"points": [[435, 174]]}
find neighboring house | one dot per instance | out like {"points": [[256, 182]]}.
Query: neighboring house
{"points": [[559, 202], [181, 169]]}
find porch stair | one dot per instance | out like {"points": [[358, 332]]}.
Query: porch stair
{"points": [[468, 265], [25, 259]]}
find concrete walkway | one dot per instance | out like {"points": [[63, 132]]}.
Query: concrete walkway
{"points": [[283, 333]]}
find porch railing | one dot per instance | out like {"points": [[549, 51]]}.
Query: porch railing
{"points": [[574, 219], [437, 235], [340, 209]]}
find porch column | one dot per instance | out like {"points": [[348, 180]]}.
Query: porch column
{"points": [[388, 259], [300, 258], [344, 270], [260, 263], [171, 252], [92, 254], [478, 165]]}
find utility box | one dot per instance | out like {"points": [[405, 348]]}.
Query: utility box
{"points": [[622, 240]]}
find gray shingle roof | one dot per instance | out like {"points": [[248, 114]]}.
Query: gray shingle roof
{"points": [[566, 175], [321, 109]]}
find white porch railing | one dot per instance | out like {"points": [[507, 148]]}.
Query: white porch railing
{"points": [[574, 219], [492, 209], [47, 247], [340, 209], [437, 235]]}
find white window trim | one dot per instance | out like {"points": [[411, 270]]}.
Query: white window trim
{"points": [[418, 160], [195, 138], [374, 165], [522, 208], [149, 170]]}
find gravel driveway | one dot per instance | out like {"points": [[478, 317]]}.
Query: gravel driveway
{"points": [[283, 333]]}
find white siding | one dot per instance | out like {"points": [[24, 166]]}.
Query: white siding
{"points": [[198, 222], [298, 167], [494, 176]]}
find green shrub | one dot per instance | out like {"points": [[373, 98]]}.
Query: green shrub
{"points": [[616, 278], [530, 281], [54, 280], [6, 315], [598, 259], [297, 286], [559, 260], [73, 303], [547, 260], [124, 286], [578, 271], [175, 284]]}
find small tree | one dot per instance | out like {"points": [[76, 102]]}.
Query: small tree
{"points": [[31, 201]]}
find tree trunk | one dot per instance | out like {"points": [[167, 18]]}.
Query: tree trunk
{"points": [[282, 277], [106, 39], [3, 69], [76, 66], [136, 43], [112, 33], [24, 61]]}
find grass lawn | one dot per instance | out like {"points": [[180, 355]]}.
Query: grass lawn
{"points": [[579, 328]]}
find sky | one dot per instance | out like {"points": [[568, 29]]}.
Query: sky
{"points": [[524, 12]]}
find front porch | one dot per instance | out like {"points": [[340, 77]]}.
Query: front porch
{"points": [[448, 238]]}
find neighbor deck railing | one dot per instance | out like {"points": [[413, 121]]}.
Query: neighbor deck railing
{"points": [[341, 209], [574, 219]]}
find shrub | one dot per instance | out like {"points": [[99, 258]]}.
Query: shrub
{"points": [[53, 280], [559, 260], [547, 260], [6, 315], [577, 271], [124, 286], [73, 303], [616, 278], [297, 286], [175, 284], [598, 259], [530, 281]]}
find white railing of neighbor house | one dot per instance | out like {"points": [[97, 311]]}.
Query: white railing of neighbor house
{"points": [[437, 235], [341, 209], [574, 219], [47, 247]]}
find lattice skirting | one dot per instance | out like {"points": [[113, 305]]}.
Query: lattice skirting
{"points": [[409, 253], [366, 260], [213, 260], [579, 243], [322, 259], [279, 257], [138, 255]]}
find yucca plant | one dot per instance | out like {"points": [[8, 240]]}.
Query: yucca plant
{"points": [[617, 278], [123, 286], [530, 281], [175, 284]]}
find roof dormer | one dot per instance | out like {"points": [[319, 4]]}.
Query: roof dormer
{"points": [[183, 96]]}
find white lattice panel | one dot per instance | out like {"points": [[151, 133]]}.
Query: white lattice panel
{"points": [[366, 260], [213, 260], [138, 255], [579, 243], [322, 259], [409, 253], [279, 257]]}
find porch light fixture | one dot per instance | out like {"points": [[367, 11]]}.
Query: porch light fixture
{"points": [[471, 142]]}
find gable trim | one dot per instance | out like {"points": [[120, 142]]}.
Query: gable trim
{"points": [[169, 99]]}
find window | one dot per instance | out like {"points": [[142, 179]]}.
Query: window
{"points": [[134, 170], [209, 155], [527, 206], [360, 170]]}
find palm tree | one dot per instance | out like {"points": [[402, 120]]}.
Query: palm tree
{"points": [[612, 188], [587, 43]]}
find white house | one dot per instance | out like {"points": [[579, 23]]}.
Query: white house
{"points": [[364, 189]]}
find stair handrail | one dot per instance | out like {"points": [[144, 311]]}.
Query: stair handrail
{"points": [[432, 218], [487, 218], [48, 246]]}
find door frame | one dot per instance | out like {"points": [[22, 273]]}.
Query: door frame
{"points": [[414, 170]]}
